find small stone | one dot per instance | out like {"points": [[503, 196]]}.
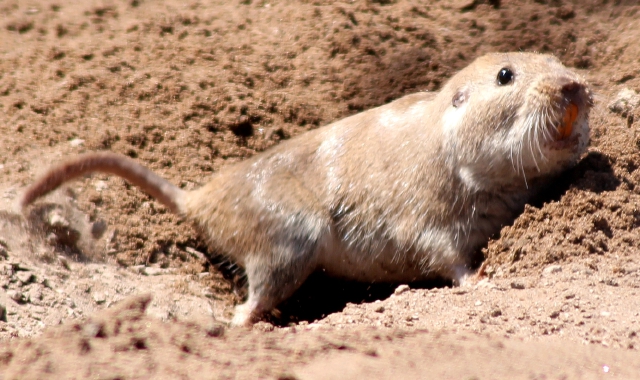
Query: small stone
{"points": [[17, 266], [216, 330], [98, 228], [17, 296], [371, 352], [64, 262], [94, 329], [609, 281], [46, 283], [99, 298], [569, 295], [196, 254], [552, 269], [151, 271], [517, 285], [496, 312], [3, 307], [554, 314], [25, 277], [379, 309], [101, 185], [4, 252], [264, 326], [76, 142], [478, 303], [137, 268], [625, 102], [401, 289]]}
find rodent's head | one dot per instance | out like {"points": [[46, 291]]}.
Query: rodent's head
{"points": [[513, 117]]}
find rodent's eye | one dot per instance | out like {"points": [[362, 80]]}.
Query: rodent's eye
{"points": [[505, 76]]}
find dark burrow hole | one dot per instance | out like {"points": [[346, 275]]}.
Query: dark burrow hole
{"points": [[321, 295]]}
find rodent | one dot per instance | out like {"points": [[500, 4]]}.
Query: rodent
{"points": [[403, 192]]}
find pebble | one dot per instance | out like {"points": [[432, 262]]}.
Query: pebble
{"points": [[99, 298], [46, 283], [625, 102], [17, 296], [552, 269], [64, 262], [3, 308], [25, 277], [101, 185], [137, 268], [98, 228], [76, 142], [517, 285], [196, 254], [216, 330], [401, 289]]}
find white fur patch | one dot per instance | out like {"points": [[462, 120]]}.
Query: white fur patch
{"points": [[468, 177], [452, 118]]}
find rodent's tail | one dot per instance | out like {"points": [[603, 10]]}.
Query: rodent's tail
{"points": [[156, 186]]}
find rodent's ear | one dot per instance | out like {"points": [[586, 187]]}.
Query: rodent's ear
{"points": [[461, 96]]}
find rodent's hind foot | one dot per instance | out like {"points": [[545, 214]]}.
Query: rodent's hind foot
{"points": [[465, 277], [246, 314]]}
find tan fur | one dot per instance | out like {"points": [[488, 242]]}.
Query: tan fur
{"points": [[402, 192]]}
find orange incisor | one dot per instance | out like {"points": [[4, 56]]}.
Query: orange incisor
{"points": [[570, 116]]}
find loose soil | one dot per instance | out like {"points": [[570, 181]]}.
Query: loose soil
{"points": [[189, 87]]}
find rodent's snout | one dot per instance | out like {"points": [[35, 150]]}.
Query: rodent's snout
{"points": [[574, 91], [575, 98], [571, 89]]}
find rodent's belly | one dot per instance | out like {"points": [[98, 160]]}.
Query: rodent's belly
{"points": [[383, 267]]}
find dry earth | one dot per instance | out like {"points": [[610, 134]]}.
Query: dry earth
{"points": [[188, 87]]}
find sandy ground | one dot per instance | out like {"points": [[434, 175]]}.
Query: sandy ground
{"points": [[189, 87]]}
